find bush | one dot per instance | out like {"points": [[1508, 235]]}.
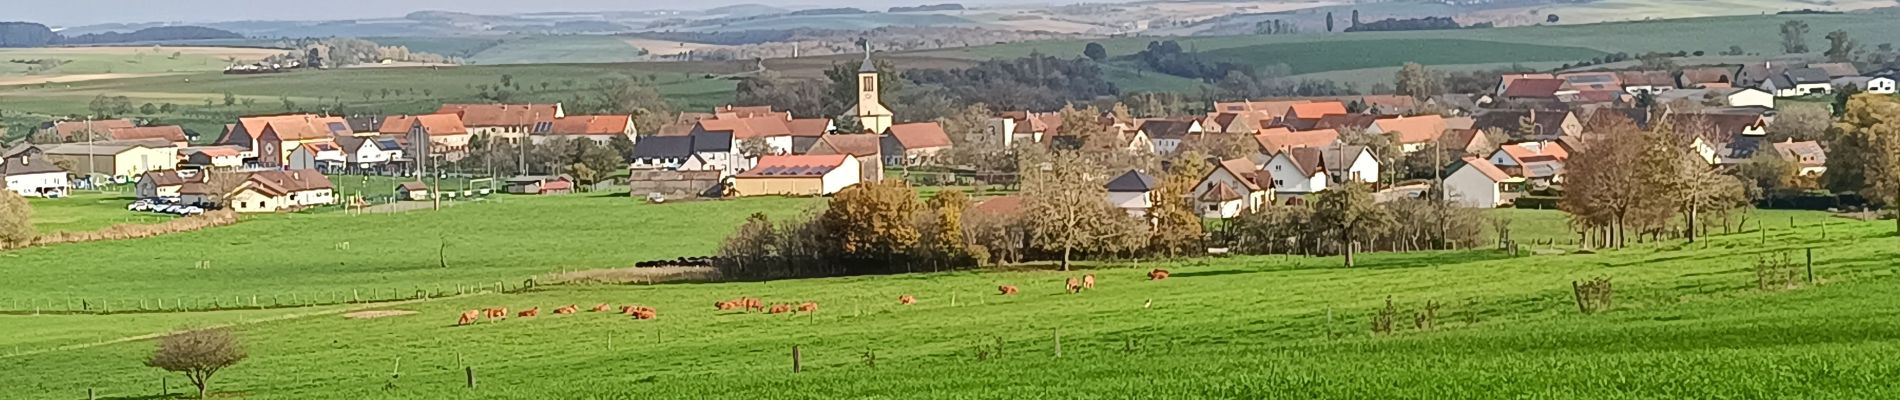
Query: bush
{"points": [[1537, 202]]}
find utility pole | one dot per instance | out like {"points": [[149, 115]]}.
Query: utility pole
{"points": [[1438, 178], [92, 157], [436, 192]]}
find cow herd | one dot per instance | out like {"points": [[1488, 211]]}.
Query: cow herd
{"points": [[753, 304]]}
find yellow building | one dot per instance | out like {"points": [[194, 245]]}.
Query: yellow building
{"points": [[872, 114], [115, 160]]}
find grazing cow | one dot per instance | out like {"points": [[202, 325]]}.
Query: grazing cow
{"points": [[469, 317], [907, 299], [780, 309], [752, 303], [645, 313], [1074, 286], [532, 312], [725, 305], [498, 313], [602, 307], [1088, 281], [1157, 274], [567, 310], [808, 307], [1007, 290]]}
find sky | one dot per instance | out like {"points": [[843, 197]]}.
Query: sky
{"points": [[86, 12]]}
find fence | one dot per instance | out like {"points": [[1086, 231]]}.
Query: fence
{"points": [[279, 300]]}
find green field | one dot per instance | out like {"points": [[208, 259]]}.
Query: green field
{"points": [[1687, 321], [124, 60], [559, 49], [381, 187], [88, 211], [1356, 54], [1554, 226]]}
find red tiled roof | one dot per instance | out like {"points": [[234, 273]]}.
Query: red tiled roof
{"points": [[279, 183], [1484, 166], [1315, 110], [748, 127], [1000, 206], [432, 124], [1243, 170], [1419, 129], [489, 115], [67, 129], [591, 125], [810, 127], [805, 166], [1534, 88], [1279, 139], [856, 145], [297, 126], [172, 133], [1533, 151], [921, 135]]}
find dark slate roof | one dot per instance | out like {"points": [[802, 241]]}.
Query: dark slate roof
{"points": [[868, 66], [1341, 156], [663, 147], [388, 144], [27, 165], [1133, 181], [1792, 77], [350, 144], [1166, 129], [711, 141]]}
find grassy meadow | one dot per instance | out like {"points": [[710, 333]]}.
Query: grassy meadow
{"points": [[1687, 321], [88, 211]]}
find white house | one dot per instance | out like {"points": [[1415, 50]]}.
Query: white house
{"points": [[326, 156], [1877, 85], [30, 175], [362, 154], [1133, 192], [1297, 172], [1475, 183], [1346, 163], [272, 191], [1232, 188], [1168, 134], [214, 156], [1798, 82]]}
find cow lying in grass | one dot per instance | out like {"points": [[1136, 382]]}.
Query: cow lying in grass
{"points": [[1088, 281], [907, 299], [1072, 285], [532, 312], [808, 307], [498, 313], [1006, 289], [1158, 274], [780, 309], [567, 310], [602, 307]]}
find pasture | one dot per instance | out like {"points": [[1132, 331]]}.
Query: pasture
{"points": [[88, 211], [71, 64], [1687, 321]]}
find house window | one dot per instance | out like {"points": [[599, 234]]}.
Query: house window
{"points": [[1213, 207], [1277, 182], [1276, 168]]}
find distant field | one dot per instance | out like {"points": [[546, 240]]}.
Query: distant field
{"points": [[89, 63], [853, 21], [558, 49], [1637, 10], [1311, 57]]}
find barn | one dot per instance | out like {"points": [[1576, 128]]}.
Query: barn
{"points": [[805, 175]]}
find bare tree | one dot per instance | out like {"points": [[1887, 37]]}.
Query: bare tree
{"points": [[198, 354], [1067, 197]]}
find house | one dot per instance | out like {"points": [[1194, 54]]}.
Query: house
{"points": [[1541, 124], [1459, 104], [1468, 140], [1837, 70], [1272, 108], [904, 144], [327, 157], [1542, 161], [598, 128], [867, 149], [412, 191], [164, 184], [1304, 116], [1167, 134], [271, 191], [802, 175], [207, 157], [1706, 78], [1504, 82], [539, 185], [1276, 140], [114, 160], [1297, 172], [1009, 128], [365, 154], [430, 136], [715, 151], [662, 152], [169, 133], [1349, 163], [270, 139], [1133, 192], [1389, 104], [509, 122], [1808, 156], [1592, 81], [1411, 133], [1538, 89], [1798, 82], [1238, 123], [1652, 82], [1720, 97], [1232, 188], [774, 129], [1348, 122], [77, 131], [28, 173], [1475, 183], [1877, 85]]}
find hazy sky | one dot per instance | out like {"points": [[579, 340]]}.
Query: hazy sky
{"points": [[83, 12]]}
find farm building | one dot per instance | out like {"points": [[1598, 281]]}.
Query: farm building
{"points": [[214, 156], [164, 184], [806, 175], [1475, 183], [1133, 192], [272, 138], [412, 191], [866, 148], [540, 185], [115, 160], [436, 135], [170, 133], [76, 131], [905, 144], [598, 128], [29, 174], [267, 191], [506, 121]]}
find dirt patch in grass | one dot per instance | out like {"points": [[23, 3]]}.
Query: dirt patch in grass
{"points": [[374, 314]]}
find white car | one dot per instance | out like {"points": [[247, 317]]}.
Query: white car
{"points": [[656, 198]]}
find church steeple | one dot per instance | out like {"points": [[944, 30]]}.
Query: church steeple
{"points": [[871, 111]]}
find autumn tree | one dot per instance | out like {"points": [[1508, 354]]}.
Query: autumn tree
{"points": [[1600, 187], [873, 223], [1349, 212], [1177, 227], [1416, 81], [944, 240], [1799, 122], [1066, 197], [16, 220], [749, 248], [1869, 135], [199, 354]]}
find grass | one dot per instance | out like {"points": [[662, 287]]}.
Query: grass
{"points": [[380, 187], [88, 211], [1357, 54], [126, 60], [1550, 225], [1246, 327], [563, 49]]}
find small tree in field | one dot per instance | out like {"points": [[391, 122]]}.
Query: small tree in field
{"points": [[198, 354], [16, 220]]}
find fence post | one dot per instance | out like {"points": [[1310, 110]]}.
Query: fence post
{"points": [[795, 366], [89, 395], [471, 376], [1058, 335], [1810, 265], [164, 385], [1576, 291]]}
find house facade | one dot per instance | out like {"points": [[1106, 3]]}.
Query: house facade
{"points": [[1475, 183], [510, 122], [30, 174], [1297, 172], [164, 184], [275, 191], [913, 143], [1232, 188], [325, 156], [1133, 192], [118, 161], [601, 129]]}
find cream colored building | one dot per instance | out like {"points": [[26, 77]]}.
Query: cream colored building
{"points": [[806, 175], [119, 161]]}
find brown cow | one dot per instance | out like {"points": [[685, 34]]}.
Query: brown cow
{"points": [[567, 310], [469, 317], [752, 303], [808, 307], [1074, 286], [602, 307], [907, 299], [1088, 281], [725, 305], [780, 309], [498, 313], [530, 312], [1157, 274], [626, 310], [645, 313], [1007, 290]]}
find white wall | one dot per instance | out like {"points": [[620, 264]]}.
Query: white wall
{"points": [[1469, 188], [1364, 168], [30, 185], [1136, 203], [1747, 98], [1881, 86], [1287, 177], [844, 176]]}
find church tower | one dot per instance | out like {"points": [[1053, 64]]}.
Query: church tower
{"points": [[871, 112]]}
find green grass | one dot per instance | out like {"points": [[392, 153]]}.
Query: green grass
{"points": [[88, 211], [1687, 323], [508, 238], [380, 187], [559, 49], [133, 60], [1551, 225], [1356, 54]]}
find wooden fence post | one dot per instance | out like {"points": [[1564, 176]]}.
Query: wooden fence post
{"points": [[470, 370], [795, 365], [1058, 335], [1576, 291], [1810, 265]]}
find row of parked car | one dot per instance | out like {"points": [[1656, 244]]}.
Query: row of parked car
{"points": [[165, 206]]}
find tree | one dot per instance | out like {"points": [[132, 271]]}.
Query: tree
{"points": [[1839, 47], [1329, 21], [1415, 81], [198, 354], [944, 240], [1349, 212], [582, 174], [1870, 137], [1794, 37], [230, 99], [16, 220], [754, 147], [749, 246], [1066, 196], [1553, 18], [167, 108], [1767, 173], [1095, 51], [1177, 228], [621, 146], [1355, 18], [872, 223], [1799, 122]]}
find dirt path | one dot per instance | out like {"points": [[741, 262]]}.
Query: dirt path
{"points": [[284, 317]]}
